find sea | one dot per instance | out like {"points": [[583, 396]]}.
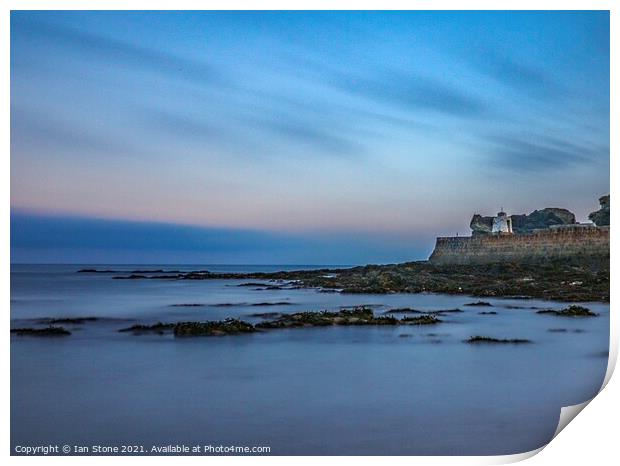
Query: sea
{"points": [[389, 390]]}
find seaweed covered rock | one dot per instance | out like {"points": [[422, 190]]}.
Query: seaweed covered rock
{"points": [[51, 331], [140, 329], [442, 312], [480, 339], [209, 329], [544, 279], [69, 320], [570, 311], [421, 320], [357, 316]]}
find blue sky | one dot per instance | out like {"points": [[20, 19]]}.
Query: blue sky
{"points": [[298, 137]]}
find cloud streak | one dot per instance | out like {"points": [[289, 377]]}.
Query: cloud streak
{"points": [[117, 53], [516, 73], [411, 93], [530, 154], [40, 132]]}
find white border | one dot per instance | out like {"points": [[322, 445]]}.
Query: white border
{"points": [[592, 438]]}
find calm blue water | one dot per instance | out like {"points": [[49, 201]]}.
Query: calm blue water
{"points": [[300, 391]]}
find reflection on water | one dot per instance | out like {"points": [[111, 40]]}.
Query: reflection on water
{"points": [[341, 390]]}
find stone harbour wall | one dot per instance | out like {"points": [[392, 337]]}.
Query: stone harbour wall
{"points": [[577, 242]]}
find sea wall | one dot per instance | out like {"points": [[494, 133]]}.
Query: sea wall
{"points": [[577, 242]]}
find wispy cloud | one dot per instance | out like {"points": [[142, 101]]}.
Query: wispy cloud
{"points": [[515, 72], [411, 93], [120, 53], [316, 134], [532, 153], [33, 129]]}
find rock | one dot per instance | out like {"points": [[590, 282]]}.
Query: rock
{"points": [[481, 225], [130, 277], [69, 320], [570, 311], [421, 320], [359, 316], [547, 279], [139, 329], [228, 304], [478, 303], [481, 339], [50, 331], [277, 303], [601, 216], [542, 219], [209, 329], [490, 313], [444, 311], [346, 317], [182, 329], [139, 272]]}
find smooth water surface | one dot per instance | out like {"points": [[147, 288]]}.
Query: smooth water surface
{"points": [[338, 390]]}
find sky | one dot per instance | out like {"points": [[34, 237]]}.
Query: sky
{"points": [[297, 137]]}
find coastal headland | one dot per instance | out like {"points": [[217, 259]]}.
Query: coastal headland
{"points": [[545, 255]]}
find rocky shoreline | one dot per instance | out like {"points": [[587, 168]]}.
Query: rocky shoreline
{"points": [[357, 316], [578, 280]]}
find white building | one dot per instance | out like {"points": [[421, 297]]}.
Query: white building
{"points": [[502, 224]]}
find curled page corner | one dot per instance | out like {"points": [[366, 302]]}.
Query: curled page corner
{"points": [[515, 458], [567, 414]]}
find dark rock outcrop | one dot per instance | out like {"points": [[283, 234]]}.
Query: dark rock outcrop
{"points": [[480, 339], [421, 320], [193, 329], [50, 331], [542, 219], [601, 216], [358, 316], [570, 311], [481, 225], [140, 329], [211, 329]]}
